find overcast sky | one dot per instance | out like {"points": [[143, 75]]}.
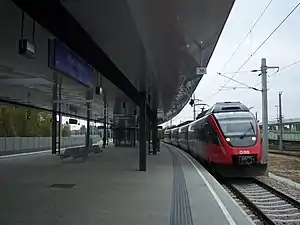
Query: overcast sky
{"points": [[281, 49]]}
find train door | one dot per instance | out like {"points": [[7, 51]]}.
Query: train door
{"points": [[212, 146], [192, 138], [201, 136]]}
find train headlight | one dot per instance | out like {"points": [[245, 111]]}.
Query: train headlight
{"points": [[227, 139], [253, 138]]}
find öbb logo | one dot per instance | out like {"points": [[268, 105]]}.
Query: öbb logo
{"points": [[244, 152]]}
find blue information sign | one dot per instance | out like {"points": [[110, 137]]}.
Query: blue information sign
{"points": [[68, 62]]}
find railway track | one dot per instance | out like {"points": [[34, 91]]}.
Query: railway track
{"points": [[264, 204], [286, 146], [285, 152]]}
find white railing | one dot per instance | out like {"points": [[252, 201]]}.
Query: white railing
{"points": [[32, 143]]}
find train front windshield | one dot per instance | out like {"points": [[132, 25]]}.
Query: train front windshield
{"points": [[239, 129]]}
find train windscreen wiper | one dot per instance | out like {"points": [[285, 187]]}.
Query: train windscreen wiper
{"points": [[246, 131]]}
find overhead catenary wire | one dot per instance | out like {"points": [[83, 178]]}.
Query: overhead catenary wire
{"points": [[280, 70], [249, 32], [239, 82], [269, 36], [250, 87], [284, 68], [271, 75], [223, 87], [231, 72]]}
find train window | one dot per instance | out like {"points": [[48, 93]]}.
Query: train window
{"points": [[210, 135], [201, 133], [185, 135], [197, 134], [192, 134]]}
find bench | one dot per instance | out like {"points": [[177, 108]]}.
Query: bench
{"points": [[80, 152]]}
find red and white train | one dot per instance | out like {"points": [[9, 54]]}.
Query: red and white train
{"points": [[226, 137]]}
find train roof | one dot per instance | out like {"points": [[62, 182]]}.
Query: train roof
{"points": [[228, 107], [180, 125], [219, 107], [234, 114]]}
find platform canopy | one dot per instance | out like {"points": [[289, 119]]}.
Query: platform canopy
{"points": [[156, 45]]}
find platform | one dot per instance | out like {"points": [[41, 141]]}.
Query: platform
{"points": [[108, 189]]}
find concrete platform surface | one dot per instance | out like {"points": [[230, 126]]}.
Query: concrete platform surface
{"points": [[108, 189]]}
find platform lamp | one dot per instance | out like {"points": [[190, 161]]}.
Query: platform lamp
{"points": [[27, 47]]}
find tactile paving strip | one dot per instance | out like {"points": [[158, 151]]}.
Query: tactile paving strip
{"points": [[180, 206]]}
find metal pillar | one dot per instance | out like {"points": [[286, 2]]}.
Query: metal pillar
{"points": [[104, 123], [280, 123], [264, 91], [54, 111], [142, 134], [107, 127], [194, 107], [114, 130], [265, 109], [154, 134], [136, 128], [59, 119], [87, 140], [149, 134]]}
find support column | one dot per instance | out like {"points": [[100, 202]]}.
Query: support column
{"points": [[265, 110], [142, 134], [104, 122], [59, 119], [154, 133], [54, 112], [148, 129], [154, 105], [280, 124], [135, 126], [89, 96], [114, 129], [87, 140]]}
